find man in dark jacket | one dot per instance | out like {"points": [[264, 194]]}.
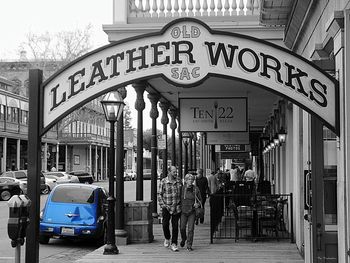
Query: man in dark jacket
{"points": [[202, 184]]}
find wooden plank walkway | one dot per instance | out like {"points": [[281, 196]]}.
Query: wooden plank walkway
{"points": [[221, 251]]}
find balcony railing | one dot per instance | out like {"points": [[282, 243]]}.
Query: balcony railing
{"points": [[83, 137], [159, 9]]}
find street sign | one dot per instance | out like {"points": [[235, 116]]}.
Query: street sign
{"points": [[161, 142]]}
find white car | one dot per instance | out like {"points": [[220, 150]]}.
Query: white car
{"points": [[62, 177], [22, 183], [51, 182], [130, 174]]}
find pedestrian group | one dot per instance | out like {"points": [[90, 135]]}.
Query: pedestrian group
{"points": [[178, 201]]}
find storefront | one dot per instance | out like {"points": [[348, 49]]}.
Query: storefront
{"points": [[224, 82]]}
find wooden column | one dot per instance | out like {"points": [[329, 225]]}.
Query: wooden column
{"points": [[139, 106], [173, 126], [190, 149], [195, 151], [180, 150], [18, 154], [164, 105], [154, 114]]}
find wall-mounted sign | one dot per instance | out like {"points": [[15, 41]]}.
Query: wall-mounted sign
{"points": [[235, 155], [227, 138], [233, 148], [186, 52], [213, 114]]}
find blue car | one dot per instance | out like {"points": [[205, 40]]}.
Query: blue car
{"points": [[76, 211]]}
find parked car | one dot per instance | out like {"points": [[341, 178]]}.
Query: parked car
{"points": [[84, 177], [74, 211], [22, 175], [8, 188], [130, 174], [127, 177], [22, 183], [62, 177], [50, 182], [146, 174]]}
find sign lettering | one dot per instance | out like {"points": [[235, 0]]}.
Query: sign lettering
{"points": [[184, 53]]}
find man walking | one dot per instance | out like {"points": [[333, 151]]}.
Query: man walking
{"points": [[169, 197], [202, 183]]}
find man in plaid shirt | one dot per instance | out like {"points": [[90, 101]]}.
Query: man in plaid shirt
{"points": [[169, 192]]}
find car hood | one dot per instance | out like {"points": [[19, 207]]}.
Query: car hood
{"points": [[70, 214]]}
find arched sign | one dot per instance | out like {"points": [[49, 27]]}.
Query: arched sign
{"points": [[185, 52]]}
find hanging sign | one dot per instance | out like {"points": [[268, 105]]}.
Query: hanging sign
{"points": [[186, 52], [214, 114], [227, 138]]}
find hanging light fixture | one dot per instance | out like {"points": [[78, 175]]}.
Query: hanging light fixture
{"points": [[282, 135], [276, 140]]}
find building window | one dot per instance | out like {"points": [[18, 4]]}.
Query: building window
{"points": [[2, 112], [24, 117], [12, 114]]}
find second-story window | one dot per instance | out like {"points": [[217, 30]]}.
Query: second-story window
{"points": [[2, 112], [12, 114], [24, 117]]}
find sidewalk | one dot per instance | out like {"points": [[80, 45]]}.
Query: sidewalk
{"points": [[221, 251]]}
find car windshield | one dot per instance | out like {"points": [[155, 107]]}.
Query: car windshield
{"points": [[81, 195]]}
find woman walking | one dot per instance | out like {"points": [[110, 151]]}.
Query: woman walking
{"points": [[190, 199]]}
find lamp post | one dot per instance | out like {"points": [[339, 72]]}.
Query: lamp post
{"points": [[112, 105]]}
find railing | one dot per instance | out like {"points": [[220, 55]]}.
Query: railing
{"points": [[192, 8], [83, 137], [251, 216]]}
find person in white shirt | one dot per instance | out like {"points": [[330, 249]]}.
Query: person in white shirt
{"points": [[234, 174], [249, 174]]}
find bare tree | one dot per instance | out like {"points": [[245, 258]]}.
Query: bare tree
{"points": [[61, 47]]}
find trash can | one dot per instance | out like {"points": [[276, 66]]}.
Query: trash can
{"points": [[139, 221]]}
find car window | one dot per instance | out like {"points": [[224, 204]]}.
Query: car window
{"points": [[57, 174], [81, 195], [20, 175], [50, 176], [8, 174]]}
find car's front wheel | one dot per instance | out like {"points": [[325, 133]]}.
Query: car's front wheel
{"points": [[5, 195], [44, 239]]}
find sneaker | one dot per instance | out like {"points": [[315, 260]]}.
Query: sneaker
{"points": [[182, 243], [189, 249], [173, 247], [166, 243]]}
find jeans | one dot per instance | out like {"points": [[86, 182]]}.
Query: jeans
{"points": [[187, 219], [174, 225]]}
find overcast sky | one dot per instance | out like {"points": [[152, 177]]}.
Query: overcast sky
{"points": [[19, 17]]}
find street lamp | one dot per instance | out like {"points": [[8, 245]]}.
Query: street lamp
{"points": [[112, 105]]}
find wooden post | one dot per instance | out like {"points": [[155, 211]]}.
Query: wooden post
{"points": [[34, 165]]}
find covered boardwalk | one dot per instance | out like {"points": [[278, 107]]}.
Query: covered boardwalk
{"points": [[222, 250]]}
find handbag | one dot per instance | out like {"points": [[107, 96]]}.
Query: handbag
{"points": [[200, 210]]}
